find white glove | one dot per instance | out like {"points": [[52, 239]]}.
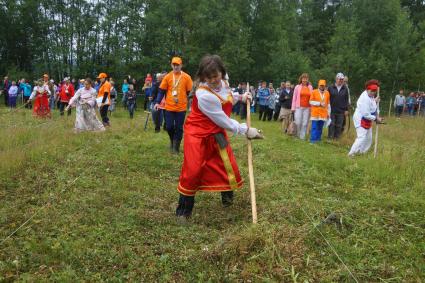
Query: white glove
{"points": [[246, 96], [253, 133]]}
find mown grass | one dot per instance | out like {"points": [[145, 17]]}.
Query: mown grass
{"points": [[105, 204]]}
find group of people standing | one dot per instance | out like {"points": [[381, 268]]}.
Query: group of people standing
{"points": [[414, 103]]}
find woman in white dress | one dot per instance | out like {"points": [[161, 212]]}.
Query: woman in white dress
{"points": [[85, 102]]}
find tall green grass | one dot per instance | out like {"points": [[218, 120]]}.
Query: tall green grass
{"points": [[105, 204]]}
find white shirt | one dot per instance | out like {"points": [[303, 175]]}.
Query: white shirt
{"points": [[85, 96], [39, 89], [366, 105], [210, 105]]}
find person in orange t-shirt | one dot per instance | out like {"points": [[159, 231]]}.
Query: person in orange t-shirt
{"points": [[176, 86], [301, 105], [104, 94], [320, 109]]}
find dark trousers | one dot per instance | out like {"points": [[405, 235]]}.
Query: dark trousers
{"points": [[243, 110], [26, 98], [276, 112], [62, 107], [158, 116], [262, 111], [335, 129], [12, 101], [399, 110], [186, 203], [236, 107], [104, 113], [269, 114], [174, 122], [130, 106], [6, 97]]}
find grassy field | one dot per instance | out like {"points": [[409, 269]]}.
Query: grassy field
{"points": [[101, 208]]}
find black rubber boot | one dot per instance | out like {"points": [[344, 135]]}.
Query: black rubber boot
{"points": [[176, 147], [227, 198], [184, 209]]}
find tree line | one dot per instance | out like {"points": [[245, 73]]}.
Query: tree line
{"points": [[271, 40]]}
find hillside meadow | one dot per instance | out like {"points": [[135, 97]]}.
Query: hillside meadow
{"points": [[100, 207]]}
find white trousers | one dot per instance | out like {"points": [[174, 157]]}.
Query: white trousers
{"points": [[362, 142], [302, 116]]}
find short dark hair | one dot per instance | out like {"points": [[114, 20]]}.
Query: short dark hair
{"points": [[209, 66]]}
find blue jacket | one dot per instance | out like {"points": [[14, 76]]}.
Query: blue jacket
{"points": [[124, 88], [263, 95], [25, 88]]}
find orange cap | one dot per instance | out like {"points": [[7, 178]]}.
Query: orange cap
{"points": [[102, 76], [322, 83], [177, 60]]}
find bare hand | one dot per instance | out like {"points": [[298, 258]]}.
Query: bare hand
{"points": [[156, 107]]}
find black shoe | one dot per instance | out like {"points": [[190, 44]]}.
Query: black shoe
{"points": [[227, 198], [176, 147]]}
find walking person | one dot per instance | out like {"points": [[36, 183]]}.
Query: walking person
{"points": [[271, 104], [40, 95], [399, 103], [104, 98], [85, 102], [176, 87], [67, 92], [131, 100], [339, 106], [209, 163], [301, 104], [285, 99], [366, 112], [320, 110], [124, 89]]}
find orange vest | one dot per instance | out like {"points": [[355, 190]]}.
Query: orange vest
{"points": [[320, 112]]}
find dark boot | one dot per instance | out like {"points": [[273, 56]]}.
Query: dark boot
{"points": [[185, 206], [171, 146], [176, 146], [227, 198]]}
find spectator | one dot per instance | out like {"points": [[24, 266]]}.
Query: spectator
{"points": [[285, 99], [410, 102], [339, 106], [301, 104], [124, 89], [399, 103], [320, 109], [271, 104], [263, 100], [13, 95], [5, 90], [131, 100], [25, 87]]}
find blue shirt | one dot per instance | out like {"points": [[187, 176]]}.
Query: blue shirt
{"points": [[124, 88], [25, 88], [263, 95]]}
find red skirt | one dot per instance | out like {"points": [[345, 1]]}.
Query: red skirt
{"points": [[41, 106], [206, 167]]}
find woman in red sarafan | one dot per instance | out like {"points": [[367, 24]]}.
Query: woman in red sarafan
{"points": [[40, 94], [209, 163]]}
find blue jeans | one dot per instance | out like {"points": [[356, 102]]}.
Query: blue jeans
{"points": [[411, 109], [316, 130], [174, 122], [131, 108]]}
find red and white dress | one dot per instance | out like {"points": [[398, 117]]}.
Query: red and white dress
{"points": [[206, 166], [41, 94]]}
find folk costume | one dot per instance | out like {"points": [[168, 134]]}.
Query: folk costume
{"points": [[366, 112], [320, 109], [209, 163], [85, 102], [41, 94], [66, 93]]}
